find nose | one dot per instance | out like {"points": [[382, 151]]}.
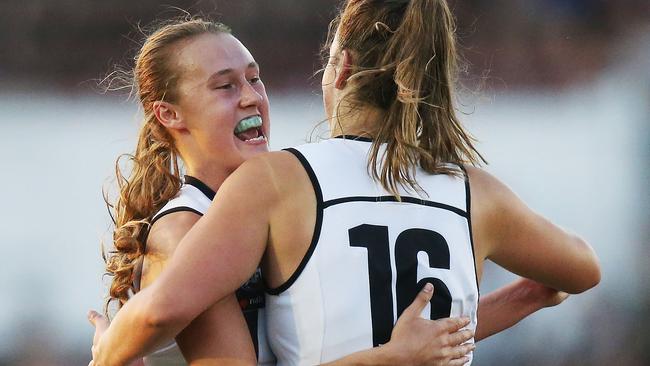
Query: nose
{"points": [[250, 96]]}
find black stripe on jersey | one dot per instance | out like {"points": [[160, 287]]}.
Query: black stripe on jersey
{"points": [[413, 200], [196, 183], [251, 318], [317, 227], [468, 202], [172, 210], [159, 215], [352, 137], [207, 191]]}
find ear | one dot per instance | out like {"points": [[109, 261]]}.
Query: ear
{"points": [[168, 115], [346, 70]]}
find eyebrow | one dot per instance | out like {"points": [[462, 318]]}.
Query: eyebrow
{"points": [[252, 65]]}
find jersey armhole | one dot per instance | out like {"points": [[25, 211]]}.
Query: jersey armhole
{"points": [[160, 215], [317, 226], [468, 203], [173, 210]]}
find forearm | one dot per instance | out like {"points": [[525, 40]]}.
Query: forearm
{"points": [[375, 356], [219, 336], [505, 307], [133, 333]]}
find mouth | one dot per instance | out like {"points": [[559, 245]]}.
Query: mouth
{"points": [[249, 129]]}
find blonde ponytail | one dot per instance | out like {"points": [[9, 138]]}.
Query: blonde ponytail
{"points": [[406, 64]]}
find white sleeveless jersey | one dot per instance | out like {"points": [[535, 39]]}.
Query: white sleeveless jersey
{"points": [[195, 196], [369, 257]]}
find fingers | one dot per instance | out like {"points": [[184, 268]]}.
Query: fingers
{"points": [[421, 300], [460, 337], [459, 361], [557, 298], [94, 318], [453, 325], [460, 354], [462, 350], [99, 322]]}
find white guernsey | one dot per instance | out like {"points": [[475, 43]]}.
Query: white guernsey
{"points": [[371, 249]]}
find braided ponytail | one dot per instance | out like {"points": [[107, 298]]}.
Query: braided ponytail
{"points": [[154, 180]]}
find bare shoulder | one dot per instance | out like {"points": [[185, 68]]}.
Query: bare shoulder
{"points": [[487, 188], [495, 207], [274, 173], [167, 232], [275, 162], [165, 235], [519, 239]]}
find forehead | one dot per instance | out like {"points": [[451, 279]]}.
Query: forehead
{"points": [[210, 53]]}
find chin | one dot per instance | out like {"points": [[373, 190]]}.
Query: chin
{"points": [[250, 151]]}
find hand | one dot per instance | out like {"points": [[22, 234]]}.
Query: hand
{"points": [[101, 323], [418, 341], [543, 295]]}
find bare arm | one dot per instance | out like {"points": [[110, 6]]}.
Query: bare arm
{"points": [[418, 341], [505, 307], [219, 335], [522, 241], [212, 261], [497, 311], [212, 339]]}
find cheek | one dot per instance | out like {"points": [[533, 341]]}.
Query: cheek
{"points": [[327, 101], [327, 84], [329, 75], [264, 108], [326, 105]]}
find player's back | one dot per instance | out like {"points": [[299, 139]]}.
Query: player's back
{"points": [[369, 256]]}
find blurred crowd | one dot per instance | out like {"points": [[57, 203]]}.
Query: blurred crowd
{"points": [[508, 43], [547, 43]]}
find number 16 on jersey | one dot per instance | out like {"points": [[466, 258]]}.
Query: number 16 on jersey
{"points": [[407, 246]]}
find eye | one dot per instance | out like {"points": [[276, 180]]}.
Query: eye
{"points": [[255, 80], [224, 86]]}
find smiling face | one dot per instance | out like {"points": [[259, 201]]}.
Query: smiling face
{"points": [[222, 102]]}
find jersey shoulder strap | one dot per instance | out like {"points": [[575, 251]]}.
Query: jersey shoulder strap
{"points": [[338, 168], [194, 196]]}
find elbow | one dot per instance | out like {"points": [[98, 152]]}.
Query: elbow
{"points": [[590, 274], [593, 274], [161, 316], [157, 319]]}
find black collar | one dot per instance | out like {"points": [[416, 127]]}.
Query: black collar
{"points": [[355, 138], [207, 191]]}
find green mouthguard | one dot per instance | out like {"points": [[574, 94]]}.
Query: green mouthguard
{"points": [[248, 123]]}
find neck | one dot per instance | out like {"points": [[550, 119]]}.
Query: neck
{"points": [[355, 121], [212, 178], [200, 166]]}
